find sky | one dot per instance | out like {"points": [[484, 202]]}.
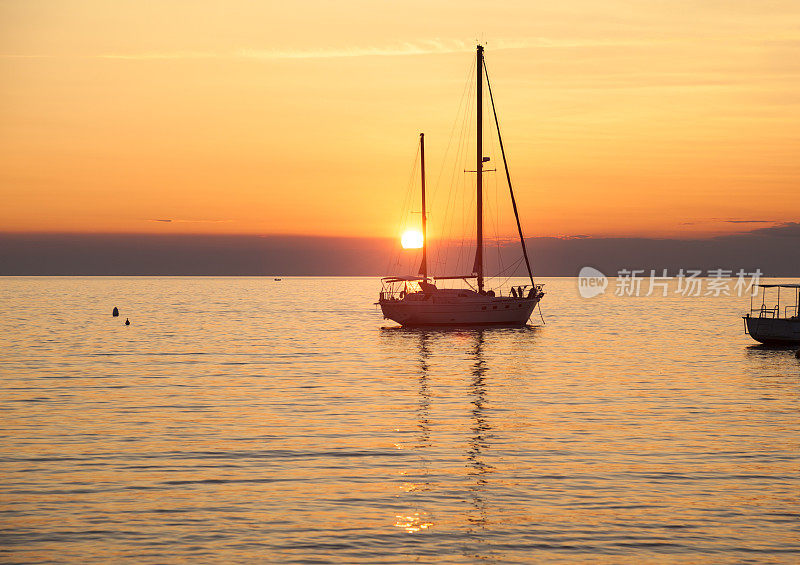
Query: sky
{"points": [[651, 119]]}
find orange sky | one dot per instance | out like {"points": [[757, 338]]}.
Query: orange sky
{"points": [[620, 118]]}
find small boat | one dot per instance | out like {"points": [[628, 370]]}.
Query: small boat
{"points": [[276, 279], [770, 323], [416, 301]]}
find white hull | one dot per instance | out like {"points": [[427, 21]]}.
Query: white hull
{"points": [[773, 330], [477, 311]]}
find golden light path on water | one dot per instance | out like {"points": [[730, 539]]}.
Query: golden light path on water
{"points": [[246, 419]]}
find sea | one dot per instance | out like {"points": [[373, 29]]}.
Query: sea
{"points": [[253, 420]]}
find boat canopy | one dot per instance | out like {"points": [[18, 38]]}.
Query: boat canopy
{"points": [[411, 278], [785, 285], [401, 278], [456, 277]]}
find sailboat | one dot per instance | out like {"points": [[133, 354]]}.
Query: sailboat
{"points": [[416, 301]]}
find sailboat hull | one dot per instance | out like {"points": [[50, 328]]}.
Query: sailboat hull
{"points": [[508, 312]]}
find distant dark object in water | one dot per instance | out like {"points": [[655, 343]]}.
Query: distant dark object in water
{"points": [[127, 322], [115, 312], [276, 279]]}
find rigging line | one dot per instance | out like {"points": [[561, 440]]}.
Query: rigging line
{"points": [[457, 179], [498, 219], [464, 93], [512, 268], [505, 282], [461, 177], [434, 198], [508, 178], [407, 205], [494, 211], [496, 222], [460, 183], [402, 222], [443, 225], [463, 104], [467, 214]]}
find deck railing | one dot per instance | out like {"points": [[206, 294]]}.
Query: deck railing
{"points": [[789, 311]]}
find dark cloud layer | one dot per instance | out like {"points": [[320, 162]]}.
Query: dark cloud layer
{"points": [[789, 229], [771, 249]]}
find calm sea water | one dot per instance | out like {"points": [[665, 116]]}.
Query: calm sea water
{"points": [[248, 420]]}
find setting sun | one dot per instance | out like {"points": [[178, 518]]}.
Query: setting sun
{"points": [[411, 239]]}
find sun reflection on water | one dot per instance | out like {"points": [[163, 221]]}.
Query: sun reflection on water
{"points": [[412, 523]]}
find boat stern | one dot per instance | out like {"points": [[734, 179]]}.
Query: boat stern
{"points": [[777, 331]]}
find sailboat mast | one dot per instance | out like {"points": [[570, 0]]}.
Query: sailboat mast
{"points": [[478, 268], [423, 269]]}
